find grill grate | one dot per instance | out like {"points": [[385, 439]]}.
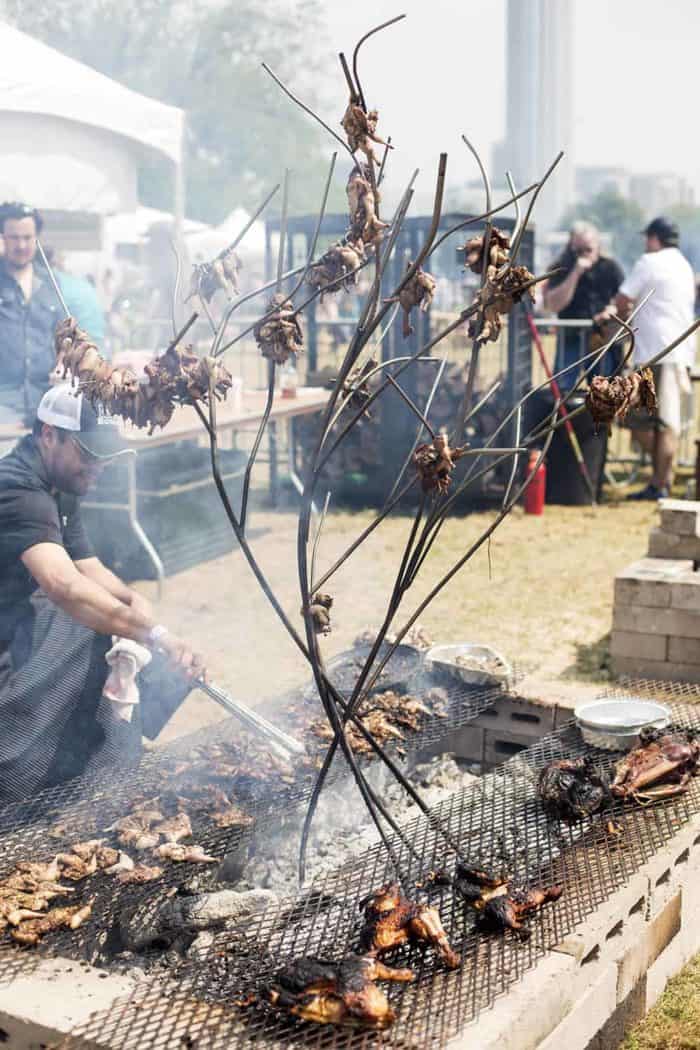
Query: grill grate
{"points": [[86, 806], [499, 823]]}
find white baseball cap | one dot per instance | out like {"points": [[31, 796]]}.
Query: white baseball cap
{"points": [[95, 430]]}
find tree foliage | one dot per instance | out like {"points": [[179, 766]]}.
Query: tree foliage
{"points": [[614, 214], [241, 130]]}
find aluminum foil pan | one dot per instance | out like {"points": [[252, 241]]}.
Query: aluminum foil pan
{"points": [[472, 664], [615, 724]]}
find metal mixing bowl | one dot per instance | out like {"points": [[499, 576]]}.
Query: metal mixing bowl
{"points": [[615, 724]]}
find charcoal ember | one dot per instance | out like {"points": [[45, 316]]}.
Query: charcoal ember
{"points": [[573, 788], [608, 400], [178, 916]]}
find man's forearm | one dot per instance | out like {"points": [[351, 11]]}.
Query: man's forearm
{"points": [[94, 570], [558, 298], [92, 605]]}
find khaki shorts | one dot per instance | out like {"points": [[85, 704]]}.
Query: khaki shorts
{"points": [[671, 382]]}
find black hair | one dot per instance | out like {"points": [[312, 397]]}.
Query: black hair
{"points": [[18, 210]]}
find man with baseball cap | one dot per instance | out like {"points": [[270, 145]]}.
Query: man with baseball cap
{"points": [[60, 607], [668, 275]]}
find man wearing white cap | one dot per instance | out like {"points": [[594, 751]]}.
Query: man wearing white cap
{"points": [[60, 607]]}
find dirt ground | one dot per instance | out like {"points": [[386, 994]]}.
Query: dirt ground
{"points": [[542, 595]]}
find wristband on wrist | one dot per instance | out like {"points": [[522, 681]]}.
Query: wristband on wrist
{"points": [[157, 634]]}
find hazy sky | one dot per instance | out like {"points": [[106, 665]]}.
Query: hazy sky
{"points": [[442, 72]]}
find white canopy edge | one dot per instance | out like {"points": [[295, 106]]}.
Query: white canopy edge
{"points": [[35, 78]]}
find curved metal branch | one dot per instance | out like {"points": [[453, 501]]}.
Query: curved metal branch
{"points": [[256, 444], [176, 288], [358, 45], [283, 231], [515, 246], [307, 109]]}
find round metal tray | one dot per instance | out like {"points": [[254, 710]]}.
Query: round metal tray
{"points": [[484, 667], [615, 724]]}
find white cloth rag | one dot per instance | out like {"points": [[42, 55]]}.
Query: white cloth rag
{"points": [[125, 659]]}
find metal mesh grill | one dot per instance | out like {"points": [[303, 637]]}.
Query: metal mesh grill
{"points": [[499, 824], [86, 806]]}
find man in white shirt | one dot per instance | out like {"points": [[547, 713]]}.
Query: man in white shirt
{"points": [[665, 272]]}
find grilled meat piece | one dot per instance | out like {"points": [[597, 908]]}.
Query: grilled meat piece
{"points": [[419, 291], [139, 873], [178, 827], [360, 126], [435, 462], [572, 788], [496, 298], [342, 993], [506, 911], [660, 767], [392, 920], [180, 852], [365, 226], [478, 887], [232, 817], [610, 399], [279, 335], [31, 931], [46, 872], [105, 856], [320, 610], [75, 868], [337, 267], [220, 273], [356, 387]]}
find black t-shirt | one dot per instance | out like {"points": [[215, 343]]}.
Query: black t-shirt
{"points": [[595, 288], [31, 513]]}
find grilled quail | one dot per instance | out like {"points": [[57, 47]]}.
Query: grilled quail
{"points": [[180, 852], [139, 873], [660, 767], [418, 291], [392, 920], [611, 399], [342, 993], [279, 335], [572, 788], [31, 931], [178, 827], [506, 911]]}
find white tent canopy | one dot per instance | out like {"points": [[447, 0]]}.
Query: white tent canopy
{"points": [[70, 137]]}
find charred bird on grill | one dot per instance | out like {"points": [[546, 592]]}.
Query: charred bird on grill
{"points": [[660, 767], [573, 788]]}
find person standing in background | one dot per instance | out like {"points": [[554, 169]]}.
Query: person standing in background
{"points": [[668, 275], [29, 311], [583, 289]]}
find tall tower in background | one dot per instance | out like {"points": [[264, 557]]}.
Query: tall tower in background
{"points": [[539, 102]]}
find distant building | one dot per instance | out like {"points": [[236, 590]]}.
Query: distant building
{"points": [[592, 180], [539, 104], [658, 192]]}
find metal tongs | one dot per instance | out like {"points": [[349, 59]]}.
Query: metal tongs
{"points": [[275, 737]]}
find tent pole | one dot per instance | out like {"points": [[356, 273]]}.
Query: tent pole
{"points": [[179, 203]]}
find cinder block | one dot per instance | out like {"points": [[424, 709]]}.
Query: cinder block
{"points": [[517, 715], [627, 1014], [648, 581], [668, 545], [684, 650], [637, 645], [685, 592], [467, 743], [662, 670], [677, 623], [500, 745], [657, 935], [680, 516], [587, 1015]]}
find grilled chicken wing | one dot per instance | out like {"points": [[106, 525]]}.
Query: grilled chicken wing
{"points": [[392, 920]]}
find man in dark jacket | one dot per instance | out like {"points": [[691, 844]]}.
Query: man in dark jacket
{"points": [[61, 608]]}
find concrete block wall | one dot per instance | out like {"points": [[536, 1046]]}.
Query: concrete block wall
{"points": [[656, 614]]}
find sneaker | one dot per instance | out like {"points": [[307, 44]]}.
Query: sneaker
{"points": [[651, 492]]}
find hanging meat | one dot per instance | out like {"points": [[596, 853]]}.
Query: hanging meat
{"points": [[418, 291], [360, 126], [337, 267], [342, 993], [435, 462], [279, 335], [499, 251], [177, 376], [611, 399], [659, 768], [573, 788], [356, 387], [363, 201], [496, 298], [320, 609], [219, 274], [392, 920]]}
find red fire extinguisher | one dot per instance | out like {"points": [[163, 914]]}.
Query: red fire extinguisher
{"points": [[534, 493]]}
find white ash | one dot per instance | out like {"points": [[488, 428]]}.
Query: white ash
{"points": [[342, 827]]}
